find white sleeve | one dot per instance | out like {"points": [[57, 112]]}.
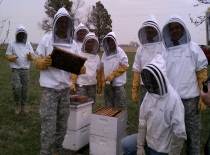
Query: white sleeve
{"points": [[142, 112], [199, 57], [177, 118], [123, 58], [40, 51], [136, 64], [30, 48], [9, 49], [99, 63]]}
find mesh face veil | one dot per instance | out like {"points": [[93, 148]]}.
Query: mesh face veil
{"points": [[154, 80]]}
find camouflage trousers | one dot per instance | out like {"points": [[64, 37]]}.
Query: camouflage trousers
{"points": [[192, 125], [20, 83], [115, 96], [54, 112], [143, 92], [89, 91]]}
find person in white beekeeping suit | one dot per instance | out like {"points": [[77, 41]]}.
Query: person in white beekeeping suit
{"points": [[55, 83], [161, 129], [19, 53], [80, 33], [151, 44], [114, 63], [186, 70], [85, 84]]}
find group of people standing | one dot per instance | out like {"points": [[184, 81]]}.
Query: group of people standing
{"points": [[57, 85], [168, 68]]}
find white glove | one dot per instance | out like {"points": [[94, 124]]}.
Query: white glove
{"points": [[140, 150], [176, 145], [141, 138]]}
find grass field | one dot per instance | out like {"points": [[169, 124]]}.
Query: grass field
{"points": [[20, 135]]}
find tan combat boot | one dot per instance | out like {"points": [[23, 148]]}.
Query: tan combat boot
{"points": [[56, 152], [23, 108], [17, 109]]}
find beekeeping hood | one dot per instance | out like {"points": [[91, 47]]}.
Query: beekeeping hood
{"points": [[186, 38], [152, 22], [105, 44], [19, 29], [96, 43], [80, 27], [63, 12], [154, 76]]}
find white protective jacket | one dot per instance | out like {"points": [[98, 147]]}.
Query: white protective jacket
{"points": [[163, 115], [79, 27], [147, 51], [112, 61], [53, 77], [20, 49], [183, 61], [92, 63]]}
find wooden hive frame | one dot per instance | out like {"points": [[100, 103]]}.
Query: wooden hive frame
{"points": [[67, 61], [107, 111]]}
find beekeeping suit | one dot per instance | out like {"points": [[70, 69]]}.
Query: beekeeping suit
{"points": [[161, 118], [92, 64], [145, 53], [81, 26], [51, 77]]}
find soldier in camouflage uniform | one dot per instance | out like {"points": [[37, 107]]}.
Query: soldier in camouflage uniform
{"points": [[55, 83], [186, 70], [19, 53], [114, 65]]}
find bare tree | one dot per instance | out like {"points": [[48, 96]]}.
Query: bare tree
{"points": [[76, 11], [3, 22], [201, 18], [52, 6]]}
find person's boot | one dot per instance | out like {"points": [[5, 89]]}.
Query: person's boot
{"points": [[56, 152], [17, 109], [23, 108]]}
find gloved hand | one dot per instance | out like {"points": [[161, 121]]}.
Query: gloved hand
{"points": [[30, 56], [140, 150], [102, 77], [201, 106], [136, 85], [74, 80], [135, 97], [43, 63], [73, 88], [141, 138], [176, 145], [119, 71], [82, 70], [110, 77], [201, 76], [11, 58], [99, 82], [99, 90]]}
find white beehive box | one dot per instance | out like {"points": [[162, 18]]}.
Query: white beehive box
{"points": [[106, 146], [74, 140], [79, 116], [106, 126]]}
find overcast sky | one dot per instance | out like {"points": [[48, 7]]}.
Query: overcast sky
{"points": [[127, 16]]}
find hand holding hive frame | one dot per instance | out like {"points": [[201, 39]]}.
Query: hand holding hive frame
{"points": [[67, 61]]}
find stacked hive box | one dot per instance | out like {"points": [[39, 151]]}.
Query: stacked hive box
{"points": [[78, 131], [107, 129]]}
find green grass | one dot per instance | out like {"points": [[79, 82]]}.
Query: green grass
{"points": [[20, 135]]}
